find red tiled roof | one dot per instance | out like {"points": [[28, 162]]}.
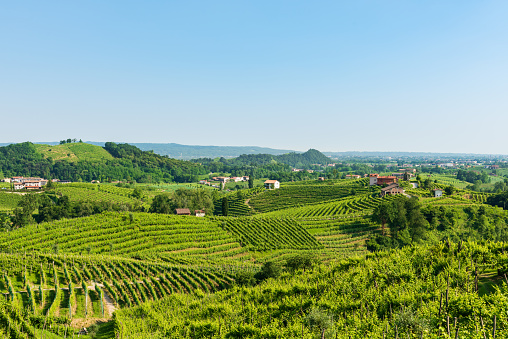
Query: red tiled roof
{"points": [[271, 181]]}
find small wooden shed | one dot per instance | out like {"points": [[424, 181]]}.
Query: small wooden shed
{"points": [[183, 211]]}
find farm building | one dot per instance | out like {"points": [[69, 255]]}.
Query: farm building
{"points": [[32, 184], [18, 185], [199, 213], [183, 211], [375, 179], [438, 192], [272, 184], [392, 189], [321, 178]]}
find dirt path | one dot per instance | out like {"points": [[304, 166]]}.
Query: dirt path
{"points": [[247, 203], [109, 304], [23, 193]]}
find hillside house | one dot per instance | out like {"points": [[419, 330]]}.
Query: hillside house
{"points": [[32, 184], [392, 189], [376, 179], [272, 184], [199, 213], [183, 211], [6, 180], [438, 192], [18, 185], [321, 178]]}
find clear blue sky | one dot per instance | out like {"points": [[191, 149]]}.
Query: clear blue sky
{"points": [[332, 75]]}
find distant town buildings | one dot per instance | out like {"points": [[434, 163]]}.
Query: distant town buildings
{"points": [[227, 179]]}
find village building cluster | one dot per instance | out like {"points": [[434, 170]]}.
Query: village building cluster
{"points": [[30, 183], [19, 183]]}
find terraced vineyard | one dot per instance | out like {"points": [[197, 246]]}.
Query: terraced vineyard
{"points": [[64, 287], [352, 205], [342, 236], [261, 233], [238, 203], [301, 195], [174, 239]]}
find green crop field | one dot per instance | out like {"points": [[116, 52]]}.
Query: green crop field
{"points": [[296, 195]]}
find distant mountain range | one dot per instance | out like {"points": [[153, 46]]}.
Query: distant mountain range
{"points": [[187, 152]]}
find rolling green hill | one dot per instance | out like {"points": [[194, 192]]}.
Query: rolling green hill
{"points": [[84, 162], [74, 152]]}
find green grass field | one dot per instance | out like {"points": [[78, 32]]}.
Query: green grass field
{"points": [[74, 152]]}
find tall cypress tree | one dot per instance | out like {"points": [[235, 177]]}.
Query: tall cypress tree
{"points": [[225, 206]]}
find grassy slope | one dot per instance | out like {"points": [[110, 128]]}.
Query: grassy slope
{"points": [[8, 201], [74, 152]]}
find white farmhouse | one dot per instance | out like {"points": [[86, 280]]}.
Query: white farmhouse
{"points": [[272, 184]]}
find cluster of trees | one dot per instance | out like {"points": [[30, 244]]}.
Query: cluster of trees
{"points": [[70, 141], [130, 164], [500, 199], [473, 177], [195, 199], [404, 222], [269, 166], [51, 207]]}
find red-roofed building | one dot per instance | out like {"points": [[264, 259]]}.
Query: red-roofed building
{"points": [[375, 179]]}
